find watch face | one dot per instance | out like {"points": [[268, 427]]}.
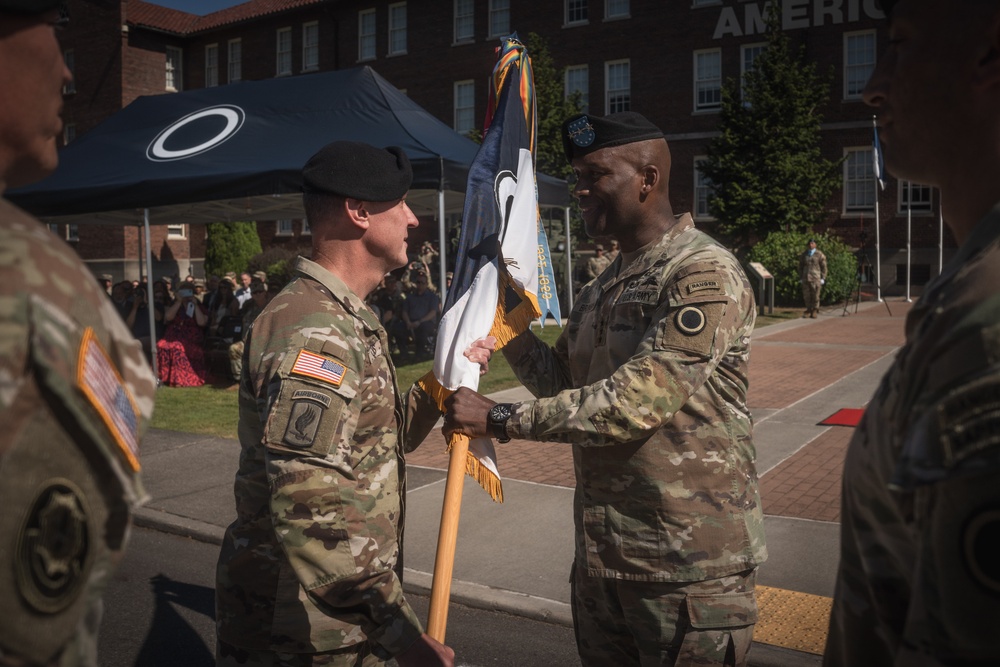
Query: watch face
{"points": [[499, 413]]}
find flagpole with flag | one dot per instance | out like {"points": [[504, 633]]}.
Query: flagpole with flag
{"points": [[494, 289], [878, 166]]}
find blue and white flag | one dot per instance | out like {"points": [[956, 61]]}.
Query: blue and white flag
{"points": [[878, 166], [495, 288]]}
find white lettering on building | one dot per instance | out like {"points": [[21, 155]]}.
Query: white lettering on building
{"points": [[795, 15]]}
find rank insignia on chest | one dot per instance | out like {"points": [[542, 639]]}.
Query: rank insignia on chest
{"points": [[98, 379], [316, 366]]}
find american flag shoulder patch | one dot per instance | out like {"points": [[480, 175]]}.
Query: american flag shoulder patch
{"points": [[100, 382], [319, 367]]}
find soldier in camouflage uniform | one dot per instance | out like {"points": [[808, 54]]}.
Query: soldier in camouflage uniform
{"points": [[919, 575], [648, 383], [310, 571], [812, 275], [75, 391]]}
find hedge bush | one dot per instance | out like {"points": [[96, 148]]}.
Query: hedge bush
{"points": [[780, 252], [276, 262]]}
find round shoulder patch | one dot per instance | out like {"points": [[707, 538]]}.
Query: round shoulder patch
{"points": [[690, 320], [981, 539]]}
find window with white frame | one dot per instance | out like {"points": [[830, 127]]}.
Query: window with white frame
{"points": [[211, 65], [707, 79], [499, 18], [310, 46], [175, 68], [616, 9], [859, 61], [72, 232], [283, 52], [465, 106], [859, 180], [69, 133], [397, 29], [54, 228], [464, 20], [306, 229], [235, 60], [283, 228], [366, 34], [576, 12], [748, 54], [578, 81], [69, 57], [176, 232], [702, 190], [618, 84], [918, 196]]}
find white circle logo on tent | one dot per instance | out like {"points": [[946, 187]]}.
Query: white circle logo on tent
{"points": [[233, 116]]}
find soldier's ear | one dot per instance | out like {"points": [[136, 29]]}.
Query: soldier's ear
{"points": [[357, 213]]}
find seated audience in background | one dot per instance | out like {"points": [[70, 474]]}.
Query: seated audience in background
{"points": [[137, 318], [242, 292], [225, 305], [419, 317], [249, 312], [180, 354]]}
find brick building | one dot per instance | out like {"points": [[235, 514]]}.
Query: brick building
{"points": [[667, 60]]}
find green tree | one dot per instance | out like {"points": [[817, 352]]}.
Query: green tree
{"points": [[552, 108], [766, 169], [230, 246]]}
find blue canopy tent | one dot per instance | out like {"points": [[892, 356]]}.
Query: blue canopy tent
{"points": [[235, 153]]}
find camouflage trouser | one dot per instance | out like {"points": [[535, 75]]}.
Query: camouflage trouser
{"points": [[236, 359], [358, 655], [810, 293], [657, 623]]}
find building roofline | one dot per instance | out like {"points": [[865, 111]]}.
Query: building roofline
{"points": [[142, 14]]}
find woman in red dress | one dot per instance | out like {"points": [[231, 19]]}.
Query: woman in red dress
{"points": [[180, 356]]}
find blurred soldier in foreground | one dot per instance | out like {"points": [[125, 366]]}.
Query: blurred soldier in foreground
{"points": [[648, 383], [310, 571], [919, 576], [75, 390]]}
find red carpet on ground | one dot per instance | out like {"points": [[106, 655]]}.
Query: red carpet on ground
{"points": [[844, 417]]}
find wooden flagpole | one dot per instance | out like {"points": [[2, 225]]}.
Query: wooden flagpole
{"points": [[444, 562]]}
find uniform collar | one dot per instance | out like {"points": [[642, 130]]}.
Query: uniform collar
{"points": [[651, 252], [337, 289]]}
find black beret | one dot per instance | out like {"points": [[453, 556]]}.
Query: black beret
{"points": [[583, 134], [358, 170], [29, 6]]}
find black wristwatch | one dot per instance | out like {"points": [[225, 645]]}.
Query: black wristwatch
{"points": [[496, 422]]}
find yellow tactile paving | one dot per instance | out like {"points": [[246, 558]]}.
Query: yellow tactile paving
{"points": [[792, 620]]}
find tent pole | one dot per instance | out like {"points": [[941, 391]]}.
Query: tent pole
{"points": [[150, 305], [442, 249]]}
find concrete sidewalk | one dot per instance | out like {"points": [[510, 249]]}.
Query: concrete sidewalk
{"points": [[516, 557]]}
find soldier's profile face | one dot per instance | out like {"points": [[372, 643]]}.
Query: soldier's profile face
{"points": [[32, 74], [925, 89], [607, 188]]}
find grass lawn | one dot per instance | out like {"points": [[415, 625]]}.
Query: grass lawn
{"points": [[213, 410]]}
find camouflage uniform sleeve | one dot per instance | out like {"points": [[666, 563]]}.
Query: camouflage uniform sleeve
{"points": [[421, 416], [675, 357], [339, 540], [951, 464], [543, 370]]}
